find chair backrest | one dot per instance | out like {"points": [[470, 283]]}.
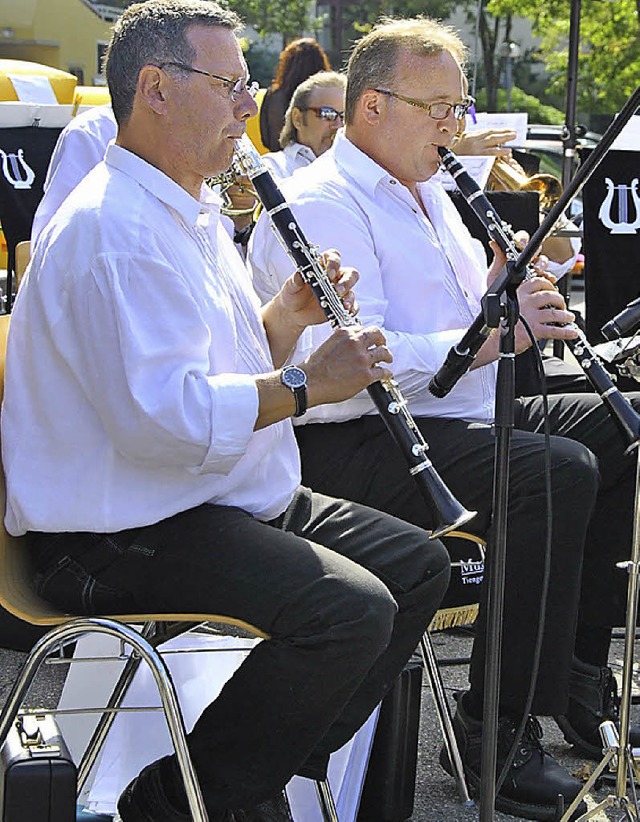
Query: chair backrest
{"points": [[23, 255]]}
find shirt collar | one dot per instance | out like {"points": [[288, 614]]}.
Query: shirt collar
{"points": [[295, 149], [358, 164], [367, 172], [162, 187]]}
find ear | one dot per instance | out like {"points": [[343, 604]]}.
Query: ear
{"points": [[152, 88], [370, 106], [296, 118]]}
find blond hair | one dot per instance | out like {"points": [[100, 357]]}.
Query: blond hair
{"points": [[374, 58], [300, 100]]}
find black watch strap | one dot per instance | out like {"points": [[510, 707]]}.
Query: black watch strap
{"points": [[296, 380]]}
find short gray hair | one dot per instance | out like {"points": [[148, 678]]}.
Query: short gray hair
{"points": [[300, 100], [374, 58], [151, 33]]}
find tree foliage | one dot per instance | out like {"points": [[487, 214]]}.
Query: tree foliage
{"points": [[290, 18], [360, 15], [609, 52]]}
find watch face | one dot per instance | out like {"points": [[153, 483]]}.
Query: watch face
{"points": [[294, 377]]}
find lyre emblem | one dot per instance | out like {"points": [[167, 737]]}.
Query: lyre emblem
{"points": [[622, 225], [16, 169]]}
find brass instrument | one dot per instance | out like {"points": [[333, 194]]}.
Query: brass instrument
{"points": [[234, 176], [508, 175], [623, 354]]}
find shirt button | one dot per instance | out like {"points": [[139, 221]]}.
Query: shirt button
{"points": [[393, 182]]}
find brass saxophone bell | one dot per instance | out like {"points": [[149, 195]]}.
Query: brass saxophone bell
{"points": [[234, 177], [508, 175]]}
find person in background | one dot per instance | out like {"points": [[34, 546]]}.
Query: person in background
{"points": [[148, 446], [314, 115], [299, 60], [80, 146], [377, 196]]}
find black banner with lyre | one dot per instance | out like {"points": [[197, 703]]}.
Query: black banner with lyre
{"points": [[611, 200]]}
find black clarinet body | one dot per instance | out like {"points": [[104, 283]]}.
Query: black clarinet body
{"points": [[588, 360], [390, 403]]}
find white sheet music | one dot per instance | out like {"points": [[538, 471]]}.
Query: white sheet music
{"points": [[139, 738], [33, 88], [515, 121], [629, 137]]}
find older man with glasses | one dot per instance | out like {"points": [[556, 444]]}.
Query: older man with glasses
{"points": [[147, 439], [314, 115]]}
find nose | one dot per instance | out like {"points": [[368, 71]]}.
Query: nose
{"points": [[450, 124], [246, 105]]}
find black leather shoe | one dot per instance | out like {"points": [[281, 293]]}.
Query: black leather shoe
{"points": [[144, 800], [534, 780], [593, 698]]}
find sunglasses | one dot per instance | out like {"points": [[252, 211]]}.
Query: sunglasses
{"points": [[326, 113]]}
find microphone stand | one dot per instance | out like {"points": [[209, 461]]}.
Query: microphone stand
{"points": [[617, 753], [496, 558], [457, 362]]}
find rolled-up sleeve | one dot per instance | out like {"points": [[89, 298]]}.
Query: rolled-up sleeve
{"points": [[160, 394]]}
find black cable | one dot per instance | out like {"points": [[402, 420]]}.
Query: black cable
{"points": [[535, 667]]}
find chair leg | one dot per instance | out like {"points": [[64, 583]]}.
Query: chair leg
{"points": [[166, 690], [325, 797], [430, 663], [107, 718]]}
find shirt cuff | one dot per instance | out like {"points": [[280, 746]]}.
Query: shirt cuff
{"points": [[234, 411]]}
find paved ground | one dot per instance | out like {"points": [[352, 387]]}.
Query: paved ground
{"points": [[436, 798]]}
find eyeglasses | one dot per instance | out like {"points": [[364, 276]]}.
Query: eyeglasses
{"points": [[236, 88], [439, 111], [326, 113]]}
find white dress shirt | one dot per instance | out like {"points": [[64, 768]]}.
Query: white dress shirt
{"points": [[421, 278], [80, 146], [130, 392], [292, 157]]}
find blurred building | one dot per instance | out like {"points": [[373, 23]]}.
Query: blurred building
{"points": [[67, 34]]}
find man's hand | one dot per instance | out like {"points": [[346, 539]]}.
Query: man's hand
{"points": [[301, 304], [350, 360], [485, 141], [545, 310], [295, 306]]}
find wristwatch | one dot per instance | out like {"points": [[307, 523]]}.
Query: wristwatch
{"points": [[295, 379]]}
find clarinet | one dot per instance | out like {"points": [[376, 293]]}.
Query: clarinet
{"points": [[391, 405], [500, 231]]}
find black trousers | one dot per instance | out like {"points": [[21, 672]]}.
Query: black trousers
{"points": [[593, 486], [344, 593]]}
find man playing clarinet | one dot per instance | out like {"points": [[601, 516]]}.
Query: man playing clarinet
{"points": [[376, 195]]}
